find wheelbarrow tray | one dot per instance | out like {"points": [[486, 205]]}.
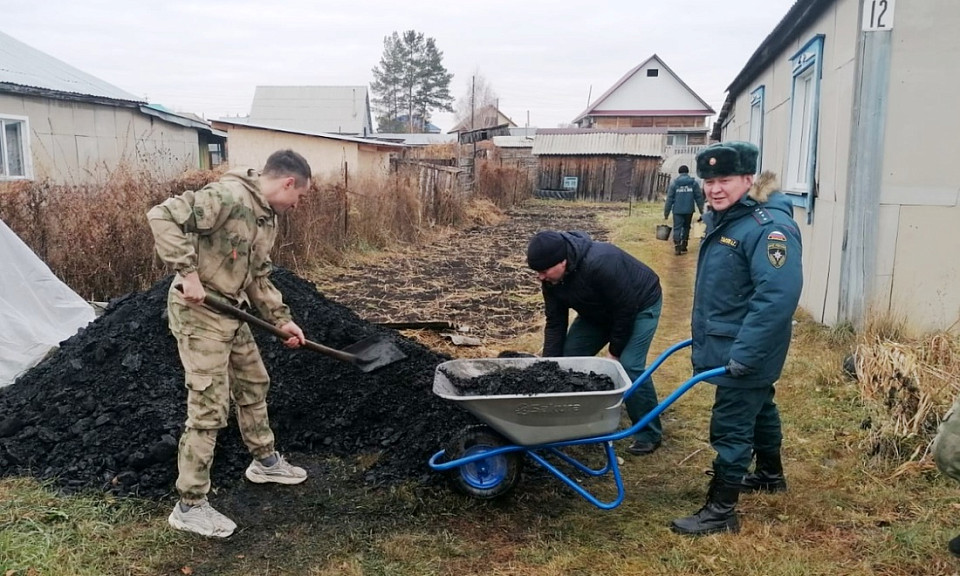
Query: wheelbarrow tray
{"points": [[533, 419]]}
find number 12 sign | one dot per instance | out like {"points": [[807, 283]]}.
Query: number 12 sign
{"points": [[878, 15]]}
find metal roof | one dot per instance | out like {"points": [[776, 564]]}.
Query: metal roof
{"points": [[513, 141], [594, 142], [329, 109], [25, 69], [245, 123]]}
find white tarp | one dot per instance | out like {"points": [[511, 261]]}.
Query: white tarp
{"points": [[37, 310]]}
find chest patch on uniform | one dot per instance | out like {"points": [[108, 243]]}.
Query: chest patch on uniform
{"points": [[731, 242], [777, 253], [777, 236]]}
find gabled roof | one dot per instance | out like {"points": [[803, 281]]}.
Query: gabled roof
{"points": [[484, 117], [25, 69], [330, 109], [652, 96]]}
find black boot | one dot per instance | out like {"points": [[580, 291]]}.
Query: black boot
{"points": [[683, 246], [954, 546], [719, 514], [677, 247], [767, 476]]}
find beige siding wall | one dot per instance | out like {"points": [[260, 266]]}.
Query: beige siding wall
{"points": [[823, 237], [328, 157], [75, 142], [920, 196], [916, 276]]}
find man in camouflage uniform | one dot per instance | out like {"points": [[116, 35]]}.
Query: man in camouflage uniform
{"points": [[218, 240], [946, 453], [747, 288]]}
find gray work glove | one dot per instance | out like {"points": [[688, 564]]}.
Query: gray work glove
{"points": [[738, 370]]}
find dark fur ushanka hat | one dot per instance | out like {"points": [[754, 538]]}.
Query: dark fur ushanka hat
{"points": [[727, 159]]}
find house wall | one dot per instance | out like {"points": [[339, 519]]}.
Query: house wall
{"points": [[77, 142], [920, 196], [650, 122], [602, 178], [915, 275], [823, 233], [329, 158]]}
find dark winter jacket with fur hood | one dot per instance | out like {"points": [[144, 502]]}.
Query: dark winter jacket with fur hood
{"points": [[605, 285], [748, 286]]}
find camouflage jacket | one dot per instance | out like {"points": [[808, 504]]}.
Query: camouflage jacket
{"points": [[225, 232]]}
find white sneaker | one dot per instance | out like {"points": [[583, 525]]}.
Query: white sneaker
{"points": [[282, 472], [201, 519]]}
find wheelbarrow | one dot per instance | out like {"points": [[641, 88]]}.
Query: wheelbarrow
{"points": [[484, 461]]}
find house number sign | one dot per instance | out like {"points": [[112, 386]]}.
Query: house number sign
{"points": [[877, 15]]}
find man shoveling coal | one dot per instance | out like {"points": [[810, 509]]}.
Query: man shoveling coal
{"points": [[218, 240]]}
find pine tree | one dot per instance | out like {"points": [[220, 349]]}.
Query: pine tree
{"points": [[410, 79]]}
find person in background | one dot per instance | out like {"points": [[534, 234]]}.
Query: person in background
{"points": [[684, 193], [218, 240], [747, 289], [617, 299]]}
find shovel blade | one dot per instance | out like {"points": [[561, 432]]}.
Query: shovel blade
{"points": [[374, 352]]}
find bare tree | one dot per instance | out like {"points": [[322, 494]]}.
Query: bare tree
{"points": [[477, 107]]}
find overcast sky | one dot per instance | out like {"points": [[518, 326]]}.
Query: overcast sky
{"points": [[542, 58]]}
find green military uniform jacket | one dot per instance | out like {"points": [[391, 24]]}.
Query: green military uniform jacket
{"points": [[225, 231]]}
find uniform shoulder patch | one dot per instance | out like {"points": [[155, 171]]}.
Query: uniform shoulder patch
{"points": [[777, 236], [776, 253]]}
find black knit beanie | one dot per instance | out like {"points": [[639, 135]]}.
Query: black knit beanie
{"points": [[545, 250]]}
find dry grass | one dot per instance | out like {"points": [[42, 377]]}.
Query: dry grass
{"points": [[95, 237], [907, 384]]}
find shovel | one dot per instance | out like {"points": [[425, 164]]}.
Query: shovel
{"points": [[367, 355]]}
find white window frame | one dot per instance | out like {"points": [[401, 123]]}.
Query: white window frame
{"points": [[673, 138], [24, 145], [757, 109], [807, 66]]}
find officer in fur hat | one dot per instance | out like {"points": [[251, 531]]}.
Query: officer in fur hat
{"points": [[747, 288], [617, 299]]}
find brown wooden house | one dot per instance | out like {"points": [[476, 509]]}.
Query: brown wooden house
{"points": [[599, 164]]}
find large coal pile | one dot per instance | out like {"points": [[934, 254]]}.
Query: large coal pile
{"points": [[106, 410]]}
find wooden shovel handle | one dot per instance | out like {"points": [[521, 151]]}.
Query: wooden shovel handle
{"points": [[220, 306]]}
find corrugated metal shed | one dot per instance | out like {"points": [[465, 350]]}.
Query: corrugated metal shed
{"points": [[513, 141], [587, 142], [25, 69], [329, 109]]}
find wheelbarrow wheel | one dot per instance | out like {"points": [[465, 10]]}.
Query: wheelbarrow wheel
{"points": [[487, 478]]}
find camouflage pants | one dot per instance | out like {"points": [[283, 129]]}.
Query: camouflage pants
{"points": [[221, 362], [946, 446]]}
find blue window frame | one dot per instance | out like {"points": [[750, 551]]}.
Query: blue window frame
{"points": [[807, 65], [757, 110]]}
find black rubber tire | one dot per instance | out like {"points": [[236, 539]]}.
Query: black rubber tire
{"points": [[488, 478]]}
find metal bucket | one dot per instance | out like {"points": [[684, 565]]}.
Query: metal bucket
{"points": [[663, 232]]}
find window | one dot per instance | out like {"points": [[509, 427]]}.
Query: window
{"points": [[14, 148], [653, 72], [676, 139], [756, 123], [804, 113]]}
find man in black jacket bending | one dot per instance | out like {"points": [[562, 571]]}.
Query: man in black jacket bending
{"points": [[617, 299]]}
